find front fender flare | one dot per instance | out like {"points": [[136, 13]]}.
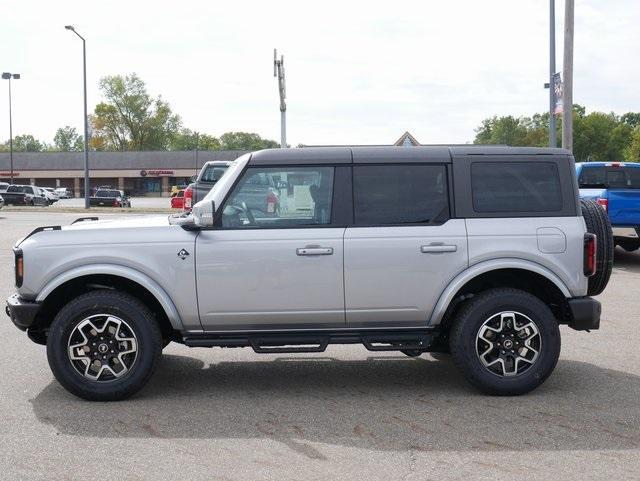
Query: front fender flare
{"points": [[477, 269], [121, 271]]}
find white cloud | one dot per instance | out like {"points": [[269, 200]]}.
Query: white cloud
{"points": [[357, 72]]}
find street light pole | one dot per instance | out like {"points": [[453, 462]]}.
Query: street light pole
{"points": [[8, 76], [86, 118], [553, 142], [278, 71], [567, 115]]}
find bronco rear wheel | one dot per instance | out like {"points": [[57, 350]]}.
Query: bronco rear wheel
{"points": [[505, 341], [104, 345]]}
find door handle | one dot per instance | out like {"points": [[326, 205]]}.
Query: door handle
{"points": [[314, 251], [438, 248]]}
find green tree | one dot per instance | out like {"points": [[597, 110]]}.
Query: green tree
{"points": [[245, 141], [502, 130], [130, 119], [27, 143], [632, 151], [599, 136], [631, 118], [67, 139], [190, 140]]}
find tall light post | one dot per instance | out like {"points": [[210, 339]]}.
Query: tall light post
{"points": [[8, 76], [278, 71], [86, 118], [567, 115], [552, 71]]}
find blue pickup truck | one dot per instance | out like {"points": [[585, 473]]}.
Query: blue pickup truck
{"points": [[616, 187]]}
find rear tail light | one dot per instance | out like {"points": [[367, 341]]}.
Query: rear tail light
{"points": [[272, 200], [590, 254], [604, 203], [115, 202], [188, 198], [19, 266]]}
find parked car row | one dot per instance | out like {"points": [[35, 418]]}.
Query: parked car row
{"points": [[19, 194]]}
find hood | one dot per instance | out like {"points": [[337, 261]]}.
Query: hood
{"points": [[136, 229], [120, 223]]}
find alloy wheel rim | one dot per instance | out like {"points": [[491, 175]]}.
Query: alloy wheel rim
{"points": [[508, 343], [102, 348]]}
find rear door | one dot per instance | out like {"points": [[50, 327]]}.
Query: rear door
{"points": [[403, 248]]}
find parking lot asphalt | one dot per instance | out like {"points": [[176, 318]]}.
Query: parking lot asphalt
{"points": [[346, 414]]}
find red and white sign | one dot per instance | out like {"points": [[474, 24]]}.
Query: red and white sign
{"points": [[8, 174]]}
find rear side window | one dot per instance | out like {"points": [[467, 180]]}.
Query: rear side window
{"points": [[400, 194], [516, 187]]}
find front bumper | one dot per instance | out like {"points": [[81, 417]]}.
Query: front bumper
{"points": [[585, 313], [21, 311]]}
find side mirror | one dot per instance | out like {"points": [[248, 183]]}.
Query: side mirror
{"points": [[192, 179], [203, 213]]}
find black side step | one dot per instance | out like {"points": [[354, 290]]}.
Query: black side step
{"points": [[287, 342], [280, 344], [395, 342]]}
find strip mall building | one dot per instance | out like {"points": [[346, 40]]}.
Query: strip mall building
{"points": [[137, 173]]}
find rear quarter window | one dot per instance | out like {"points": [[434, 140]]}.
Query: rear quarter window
{"points": [[516, 187]]}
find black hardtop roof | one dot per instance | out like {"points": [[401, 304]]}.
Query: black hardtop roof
{"points": [[385, 154]]}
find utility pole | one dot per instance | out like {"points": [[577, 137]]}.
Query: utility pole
{"points": [[278, 72], [8, 76], [553, 142], [87, 194], [567, 116]]}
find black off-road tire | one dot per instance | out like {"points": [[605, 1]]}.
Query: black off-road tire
{"points": [[471, 317], [119, 304], [598, 223]]}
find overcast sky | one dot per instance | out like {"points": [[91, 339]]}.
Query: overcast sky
{"points": [[357, 72]]}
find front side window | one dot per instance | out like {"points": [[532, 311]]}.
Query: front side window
{"points": [[400, 194], [516, 187], [279, 197]]}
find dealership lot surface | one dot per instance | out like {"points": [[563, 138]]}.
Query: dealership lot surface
{"points": [[344, 414]]}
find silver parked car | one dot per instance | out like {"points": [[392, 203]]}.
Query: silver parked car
{"points": [[480, 252]]}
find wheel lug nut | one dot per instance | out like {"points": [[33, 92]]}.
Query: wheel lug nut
{"points": [[501, 352]]}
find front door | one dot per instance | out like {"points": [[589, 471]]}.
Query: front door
{"points": [[275, 261], [403, 248]]}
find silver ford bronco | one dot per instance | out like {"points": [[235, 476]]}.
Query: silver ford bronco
{"points": [[477, 252]]}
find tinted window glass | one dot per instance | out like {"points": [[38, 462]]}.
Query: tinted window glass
{"points": [[592, 177], [610, 177], [400, 194], [213, 173], [280, 197], [516, 187]]}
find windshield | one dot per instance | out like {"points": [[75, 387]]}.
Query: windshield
{"points": [[213, 173], [610, 177], [108, 193]]}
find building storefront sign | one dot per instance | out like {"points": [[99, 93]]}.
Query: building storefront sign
{"points": [[156, 173], [8, 174]]}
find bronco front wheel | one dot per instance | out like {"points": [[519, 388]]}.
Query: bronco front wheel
{"points": [[104, 345]]}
